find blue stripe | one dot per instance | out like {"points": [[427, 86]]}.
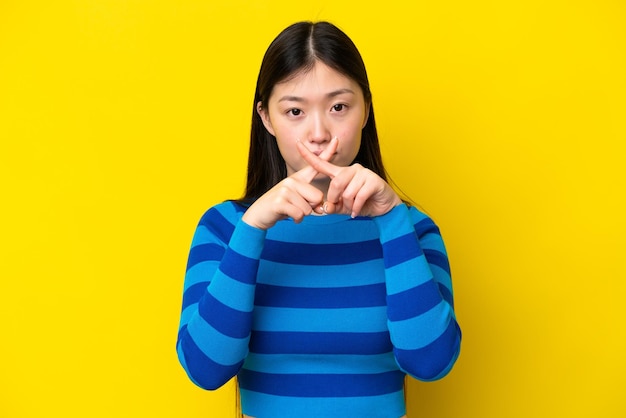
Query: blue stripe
{"points": [[337, 297], [257, 404], [194, 293], [420, 331], [228, 321], [441, 276], [413, 302], [202, 236], [216, 223], [239, 267], [212, 343], [438, 353], [187, 314], [321, 363], [371, 319], [438, 259], [320, 230], [233, 293], [321, 385], [267, 342], [446, 294], [426, 226], [407, 275], [293, 275], [247, 240], [202, 370], [401, 249], [204, 252], [199, 273], [321, 254]]}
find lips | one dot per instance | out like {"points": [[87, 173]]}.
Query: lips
{"points": [[319, 152]]}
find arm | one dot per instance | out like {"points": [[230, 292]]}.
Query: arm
{"points": [[220, 282], [422, 324], [218, 297]]}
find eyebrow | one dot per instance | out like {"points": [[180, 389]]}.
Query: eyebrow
{"points": [[302, 99]]}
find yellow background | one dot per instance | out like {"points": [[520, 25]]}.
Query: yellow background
{"points": [[122, 121]]}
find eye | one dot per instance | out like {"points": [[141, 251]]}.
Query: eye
{"points": [[294, 112], [339, 107]]}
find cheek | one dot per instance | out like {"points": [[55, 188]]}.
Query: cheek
{"points": [[286, 147], [347, 134], [349, 143], [287, 133], [351, 131]]}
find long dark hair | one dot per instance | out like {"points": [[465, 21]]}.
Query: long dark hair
{"points": [[293, 51]]}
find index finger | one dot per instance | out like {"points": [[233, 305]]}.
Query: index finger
{"points": [[320, 164], [309, 172]]}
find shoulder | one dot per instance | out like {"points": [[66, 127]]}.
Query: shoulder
{"points": [[228, 210], [422, 222], [220, 220]]}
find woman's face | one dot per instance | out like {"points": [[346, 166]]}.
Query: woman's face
{"points": [[314, 107]]}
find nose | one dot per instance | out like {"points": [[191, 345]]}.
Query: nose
{"points": [[319, 130]]}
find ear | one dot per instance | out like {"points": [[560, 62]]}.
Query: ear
{"points": [[265, 118], [367, 114]]}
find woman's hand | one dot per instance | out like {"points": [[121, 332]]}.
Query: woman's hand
{"points": [[353, 190], [293, 197]]}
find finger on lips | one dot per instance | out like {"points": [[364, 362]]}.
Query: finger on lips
{"points": [[320, 163], [309, 172]]}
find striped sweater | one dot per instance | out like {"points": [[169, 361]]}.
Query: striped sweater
{"points": [[318, 319]]}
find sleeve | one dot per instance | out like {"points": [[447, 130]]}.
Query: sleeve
{"points": [[218, 299], [420, 309]]}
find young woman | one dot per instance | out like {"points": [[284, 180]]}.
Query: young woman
{"points": [[320, 289]]}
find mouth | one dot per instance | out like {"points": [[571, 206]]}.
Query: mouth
{"points": [[329, 159]]}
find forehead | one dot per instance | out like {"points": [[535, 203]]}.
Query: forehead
{"points": [[318, 80]]}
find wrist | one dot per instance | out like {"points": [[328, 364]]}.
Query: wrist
{"points": [[394, 223], [247, 240], [249, 220]]}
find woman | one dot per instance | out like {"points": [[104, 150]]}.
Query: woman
{"points": [[320, 289]]}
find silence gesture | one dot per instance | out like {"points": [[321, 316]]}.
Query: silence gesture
{"points": [[353, 190], [293, 197]]}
